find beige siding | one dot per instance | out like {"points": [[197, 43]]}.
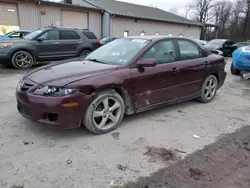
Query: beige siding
{"points": [[106, 22], [74, 19], [29, 15], [150, 28], [8, 14], [35, 15], [52, 16], [95, 23]]}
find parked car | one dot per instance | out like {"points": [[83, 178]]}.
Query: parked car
{"points": [[201, 42], [126, 76], [223, 45], [49, 43], [15, 34], [106, 40], [239, 45]]}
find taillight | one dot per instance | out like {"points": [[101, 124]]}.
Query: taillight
{"points": [[98, 42]]}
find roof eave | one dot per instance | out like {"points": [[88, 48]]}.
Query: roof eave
{"points": [[64, 5], [159, 20]]}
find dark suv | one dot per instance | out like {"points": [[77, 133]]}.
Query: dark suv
{"points": [[49, 43]]}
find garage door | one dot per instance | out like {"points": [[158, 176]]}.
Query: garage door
{"points": [[74, 19], [8, 14]]}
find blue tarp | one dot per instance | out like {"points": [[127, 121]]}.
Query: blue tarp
{"points": [[241, 58]]}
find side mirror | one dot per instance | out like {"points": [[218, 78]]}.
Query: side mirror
{"points": [[147, 62], [10, 36], [41, 39]]}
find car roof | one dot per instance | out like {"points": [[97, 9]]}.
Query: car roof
{"points": [[157, 37], [65, 28], [21, 31]]}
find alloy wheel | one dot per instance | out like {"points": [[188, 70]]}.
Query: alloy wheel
{"points": [[84, 53], [23, 60], [107, 113], [210, 88]]}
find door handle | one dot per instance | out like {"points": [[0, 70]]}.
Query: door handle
{"points": [[79, 42], [175, 69], [206, 63], [55, 42]]}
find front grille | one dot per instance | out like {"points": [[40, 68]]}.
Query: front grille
{"points": [[24, 109], [26, 86]]}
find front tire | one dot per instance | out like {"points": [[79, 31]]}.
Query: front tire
{"points": [[105, 113], [22, 60], [234, 71], [209, 89]]}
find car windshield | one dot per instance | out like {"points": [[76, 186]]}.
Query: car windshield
{"points": [[118, 52], [8, 33], [33, 34], [216, 42]]}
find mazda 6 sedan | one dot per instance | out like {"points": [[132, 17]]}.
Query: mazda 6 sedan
{"points": [[123, 77]]}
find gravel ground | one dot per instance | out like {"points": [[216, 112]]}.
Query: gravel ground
{"points": [[41, 156]]}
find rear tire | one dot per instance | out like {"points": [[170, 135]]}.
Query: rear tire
{"points": [[209, 89], [22, 60], [84, 53], [234, 71], [105, 112]]}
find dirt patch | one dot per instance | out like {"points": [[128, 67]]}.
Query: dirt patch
{"points": [[161, 153], [224, 164]]}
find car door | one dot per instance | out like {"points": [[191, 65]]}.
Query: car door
{"points": [[159, 84], [193, 67], [69, 41], [47, 45]]}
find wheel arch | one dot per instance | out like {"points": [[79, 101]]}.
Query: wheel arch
{"points": [[129, 108], [217, 77], [23, 49], [84, 48]]}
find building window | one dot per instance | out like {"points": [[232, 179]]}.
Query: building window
{"points": [[126, 33]]}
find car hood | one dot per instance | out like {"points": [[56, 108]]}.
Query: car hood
{"points": [[13, 40], [212, 46], [3, 37], [61, 74]]}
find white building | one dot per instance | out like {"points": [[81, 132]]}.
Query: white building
{"points": [[103, 17], [122, 19]]}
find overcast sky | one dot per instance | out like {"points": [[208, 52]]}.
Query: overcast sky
{"points": [[163, 4]]}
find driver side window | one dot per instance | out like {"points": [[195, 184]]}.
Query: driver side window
{"points": [[16, 35], [162, 52], [50, 35]]}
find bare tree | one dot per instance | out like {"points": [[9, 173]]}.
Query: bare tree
{"points": [[247, 16], [188, 7], [203, 9], [174, 11]]}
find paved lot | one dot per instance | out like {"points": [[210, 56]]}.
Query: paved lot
{"points": [[36, 155]]}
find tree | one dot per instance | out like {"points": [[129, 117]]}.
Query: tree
{"points": [[203, 9], [174, 11], [247, 16]]}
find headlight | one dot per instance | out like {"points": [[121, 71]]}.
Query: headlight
{"points": [[3, 45], [54, 91]]}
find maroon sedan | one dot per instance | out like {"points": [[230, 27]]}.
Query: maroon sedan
{"points": [[126, 76]]}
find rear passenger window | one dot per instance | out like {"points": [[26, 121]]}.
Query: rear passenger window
{"points": [[69, 35], [189, 50], [89, 35]]}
